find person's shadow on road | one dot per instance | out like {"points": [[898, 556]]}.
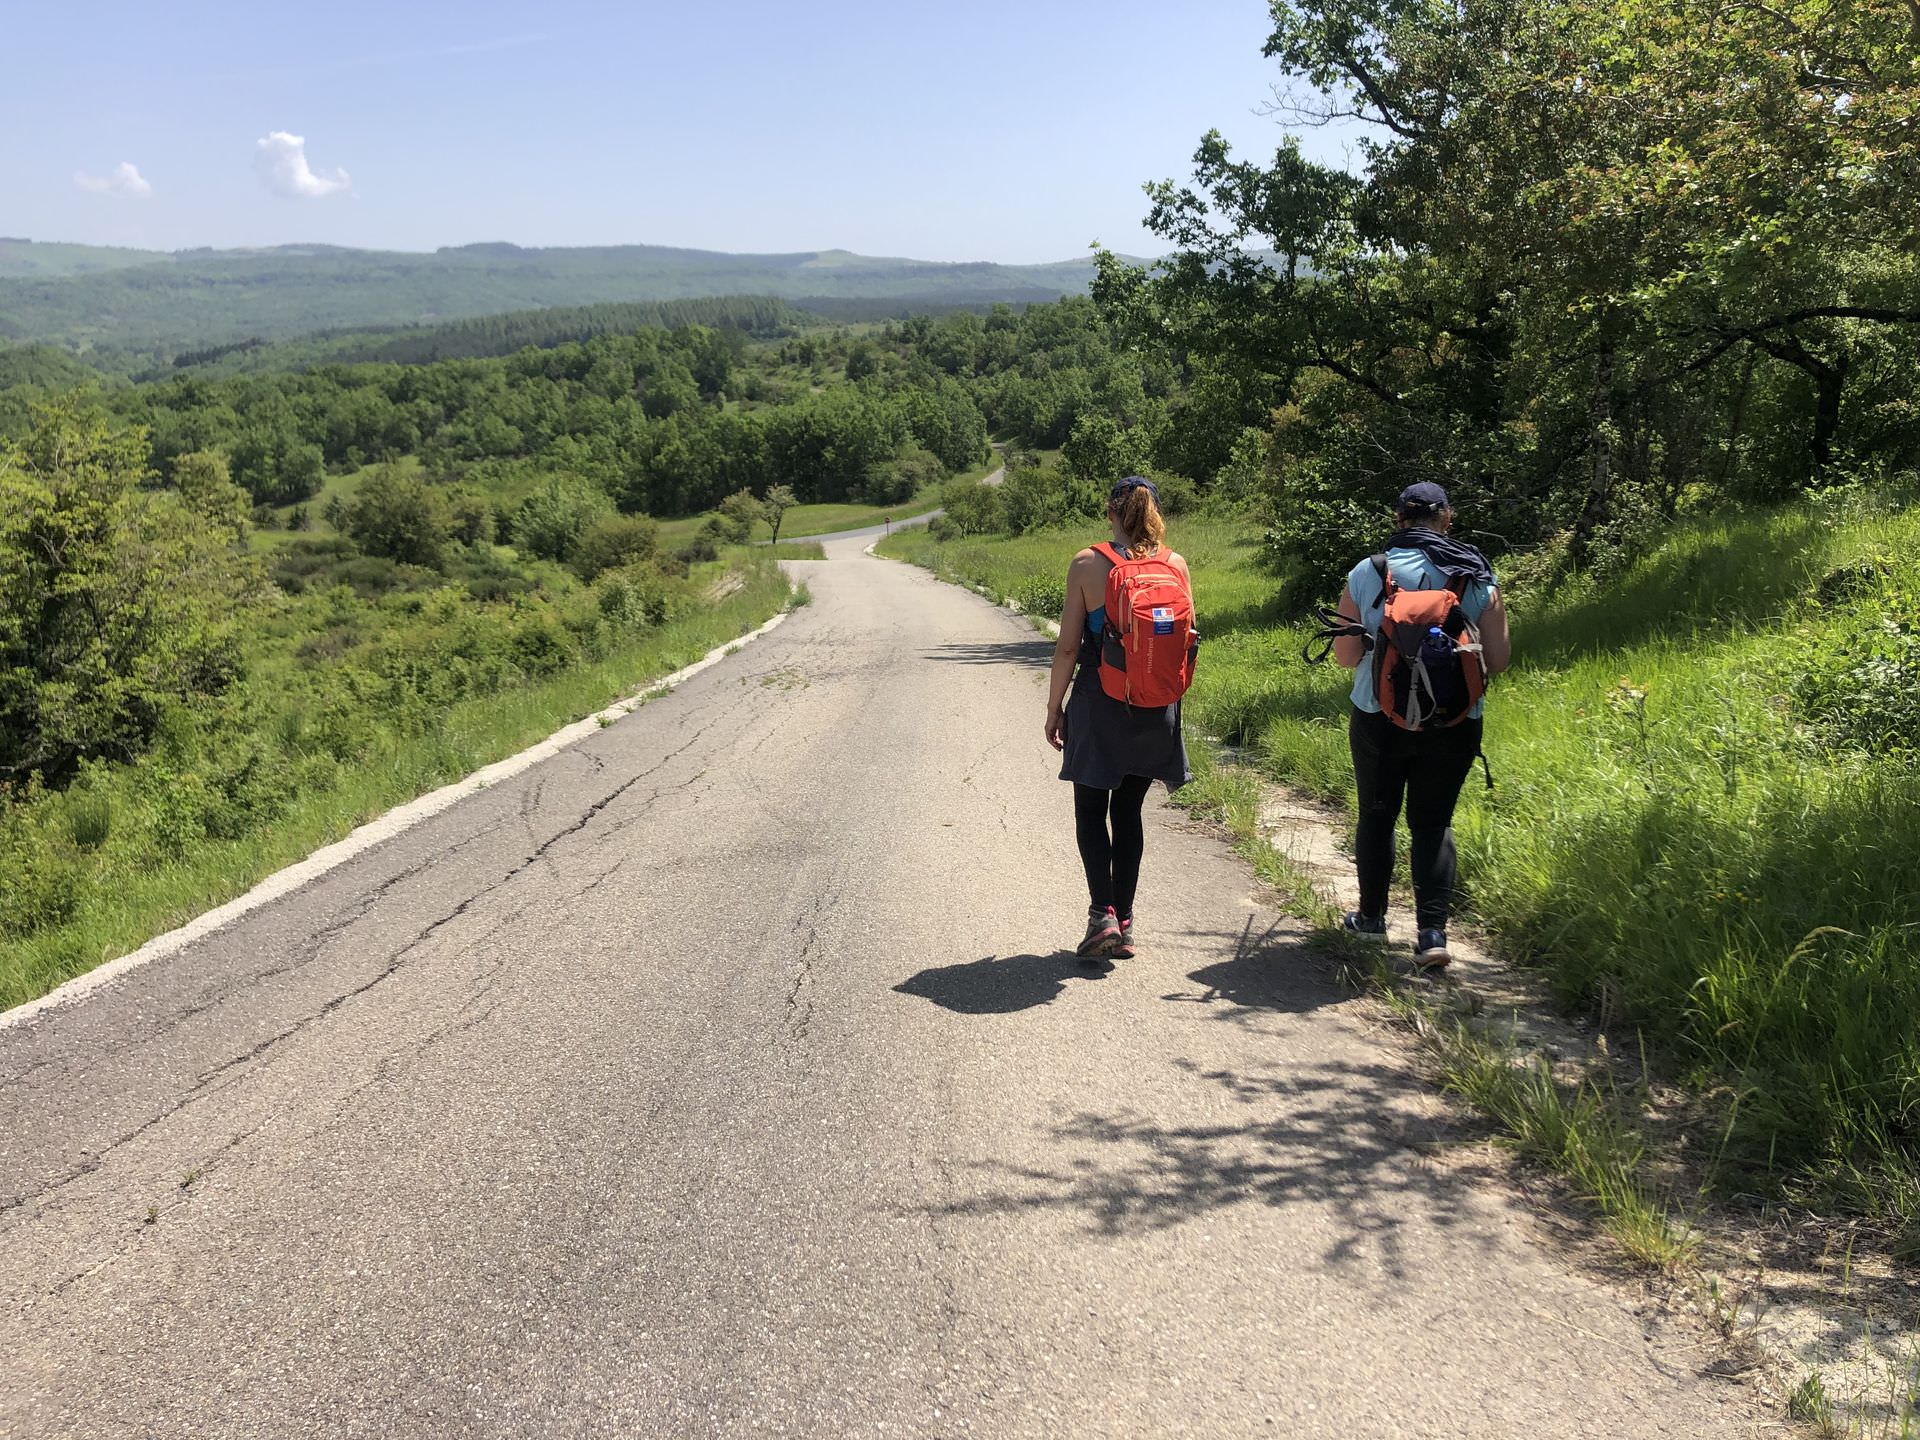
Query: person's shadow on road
{"points": [[1000, 986]]}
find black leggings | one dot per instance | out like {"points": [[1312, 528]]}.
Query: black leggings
{"points": [[1427, 767], [1112, 859]]}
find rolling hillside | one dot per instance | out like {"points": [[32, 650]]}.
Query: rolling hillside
{"points": [[198, 299]]}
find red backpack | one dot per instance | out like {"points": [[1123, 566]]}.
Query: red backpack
{"points": [[1428, 672], [1148, 647]]}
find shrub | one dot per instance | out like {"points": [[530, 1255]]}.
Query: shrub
{"points": [[1044, 595], [550, 522], [614, 542], [1037, 498], [630, 598], [901, 476], [397, 516], [738, 514], [972, 508], [115, 601]]}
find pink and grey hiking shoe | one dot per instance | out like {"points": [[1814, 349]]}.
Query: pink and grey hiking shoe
{"points": [[1103, 933], [1123, 947]]}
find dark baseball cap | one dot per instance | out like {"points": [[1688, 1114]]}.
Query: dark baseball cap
{"points": [[1426, 498], [1132, 482]]}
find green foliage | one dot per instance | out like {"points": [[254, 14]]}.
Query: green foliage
{"points": [[616, 542], [399, 517], [737, 514], [206, 488], [117, 602], [971, 509], [1041, 497], [778, 500], [1101, 450], [1599, 259], [551, 522], [905, 474]]}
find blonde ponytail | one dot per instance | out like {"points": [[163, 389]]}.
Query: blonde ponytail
{"points": [[1138, 515]]}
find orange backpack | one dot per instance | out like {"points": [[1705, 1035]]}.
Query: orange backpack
{"points": [[1148, 647], [1428, 672]]}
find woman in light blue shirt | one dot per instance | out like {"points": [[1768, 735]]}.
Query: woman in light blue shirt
{"points": [[1422, 769]]}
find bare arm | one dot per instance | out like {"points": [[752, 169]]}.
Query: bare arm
{"points": [[1349, 650], [1496, 646], [1066, 650]]}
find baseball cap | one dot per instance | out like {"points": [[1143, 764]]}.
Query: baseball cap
{"points": [[1426, 498]]}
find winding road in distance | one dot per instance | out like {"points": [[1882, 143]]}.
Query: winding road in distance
{"points": [[727, 1074]]}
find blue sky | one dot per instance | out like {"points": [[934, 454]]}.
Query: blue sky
{"points": [[989, 130]]}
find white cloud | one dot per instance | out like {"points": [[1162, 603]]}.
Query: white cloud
{"points": [[126, 179], [280, 160]]}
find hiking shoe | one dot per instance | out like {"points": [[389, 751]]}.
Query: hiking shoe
{"points": [[1365, 927], [1123, 947], [1431, 953], [1103, 933]]}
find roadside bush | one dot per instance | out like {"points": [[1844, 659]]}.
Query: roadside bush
{"points": [[1044, 595], [972, 508], [116, 601], [901, 476], [550, 522], [1041, 497], [614, 542], [631, 597]]}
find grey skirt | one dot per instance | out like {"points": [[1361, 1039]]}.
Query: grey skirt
{"points": [[1107, 739]]}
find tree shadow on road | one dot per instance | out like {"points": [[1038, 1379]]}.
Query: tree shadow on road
{"points": [[1336, 1135], [1036, 652], [1001, 985], [1270, 970]]}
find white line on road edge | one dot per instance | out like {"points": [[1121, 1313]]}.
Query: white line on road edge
{"points": [[365, 837]]}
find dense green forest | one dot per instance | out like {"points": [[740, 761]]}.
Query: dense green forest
{"points": [[139, 314]]}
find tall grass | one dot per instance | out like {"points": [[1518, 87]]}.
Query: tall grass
{"points": [[1680, 838]]}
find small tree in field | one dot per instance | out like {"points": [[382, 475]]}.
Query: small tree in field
{"points": [[777, 501]]}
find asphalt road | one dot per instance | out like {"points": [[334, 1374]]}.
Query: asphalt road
{"points": [[729, 1075]]}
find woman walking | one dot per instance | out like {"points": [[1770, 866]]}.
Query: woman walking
{"points": [[1423, 766], [1113, 751]]}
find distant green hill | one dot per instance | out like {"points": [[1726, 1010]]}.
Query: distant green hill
{"points": [[155, 307], [484, 336], [31, 259]]}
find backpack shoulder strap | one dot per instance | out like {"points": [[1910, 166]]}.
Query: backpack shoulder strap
{"points": [[1387, 587], [1106, 548]]}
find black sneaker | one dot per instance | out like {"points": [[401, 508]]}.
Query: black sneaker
{"points": [[1365, 927], [1431, 953]]}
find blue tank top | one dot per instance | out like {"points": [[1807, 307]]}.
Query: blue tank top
{"points": [[1097, 619]]}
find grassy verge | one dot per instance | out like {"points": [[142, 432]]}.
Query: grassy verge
{"points": [[1698, 834], [144, 874], [799, 550]]}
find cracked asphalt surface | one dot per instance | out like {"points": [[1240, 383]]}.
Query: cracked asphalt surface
{"points": [[730, 1074]]}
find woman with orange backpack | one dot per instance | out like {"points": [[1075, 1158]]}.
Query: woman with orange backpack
{"points": [[1427, 618], [1126, 647]]}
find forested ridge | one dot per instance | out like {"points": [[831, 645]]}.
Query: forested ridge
{"points": [[140, 314]]}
